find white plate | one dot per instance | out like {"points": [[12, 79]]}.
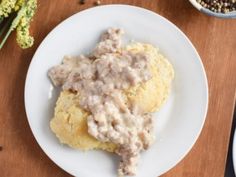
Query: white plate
{"points": [[234, 151], [179, 122]]}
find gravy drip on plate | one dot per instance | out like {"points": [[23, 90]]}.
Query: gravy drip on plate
{"points": [[100, 80]]}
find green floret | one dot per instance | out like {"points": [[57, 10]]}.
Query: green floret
{"points": [[14, 24], [9, 6], [19, 4], [6, 7], [23, 37]]}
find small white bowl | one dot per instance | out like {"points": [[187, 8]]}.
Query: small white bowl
{"points": [[211, 13]]}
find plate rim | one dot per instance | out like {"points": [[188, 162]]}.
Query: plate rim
{"points": [[234, 151], [205, 84]]}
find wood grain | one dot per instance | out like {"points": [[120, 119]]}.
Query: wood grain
{"points": [[215, 40]]}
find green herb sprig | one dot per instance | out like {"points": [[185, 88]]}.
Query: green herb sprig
{"points": [[24, 10]]}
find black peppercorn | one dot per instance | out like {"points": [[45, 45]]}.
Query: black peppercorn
{"points": [[220, 6], [82, 2]]}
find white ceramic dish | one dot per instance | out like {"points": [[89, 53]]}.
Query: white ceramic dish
{"points": [[234, 151], [211, 13], [179, 122]]}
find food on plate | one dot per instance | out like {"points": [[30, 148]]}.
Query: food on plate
{"points": [[108, 96], [70, 124]]}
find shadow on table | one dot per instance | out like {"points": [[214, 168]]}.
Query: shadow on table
{"points": [[229, 170]]}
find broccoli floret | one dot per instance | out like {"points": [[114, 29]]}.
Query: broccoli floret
{"points": [[23, 37]]}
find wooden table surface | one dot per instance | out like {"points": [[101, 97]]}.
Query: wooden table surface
{"points": [[215, 40]]}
